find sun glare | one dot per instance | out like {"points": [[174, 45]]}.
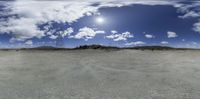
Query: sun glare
{"points": [[100, 20]]}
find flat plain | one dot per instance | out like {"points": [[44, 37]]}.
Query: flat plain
{"points": [[100, 74]]}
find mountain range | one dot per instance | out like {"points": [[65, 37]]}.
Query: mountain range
{"points": [[101, 47]]}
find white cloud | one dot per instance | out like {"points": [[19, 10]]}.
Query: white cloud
{"points": [[137, 43], [53, 34], [164, 42], [34, 12], [21, 29], [149, 36], [29, 42], [190, 14], [197, 27], [171, 34], [86, 33], [100, 32], [113, 31], [53, 37], [67, 32], [120, 37], [191, 10]]}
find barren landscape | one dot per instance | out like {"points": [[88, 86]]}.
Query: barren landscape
{"points": [[99, 74]]}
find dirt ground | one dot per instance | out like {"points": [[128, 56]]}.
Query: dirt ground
{"points": [[100, 74]]}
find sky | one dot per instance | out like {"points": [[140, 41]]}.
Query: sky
{"points": [[121, 23]]}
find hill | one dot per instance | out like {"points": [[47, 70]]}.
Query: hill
{"points": [[95, 47], [101, 47]]}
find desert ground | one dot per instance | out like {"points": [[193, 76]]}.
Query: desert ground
{"points": [[99, 74]]}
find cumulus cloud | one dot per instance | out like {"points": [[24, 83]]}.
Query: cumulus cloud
{"points": [[120, 37], [189, 14], [197, 27], [33, 12], [86, 33], [53, 37], [171, 34], [137, 43], [21, 29], [67, 32], [164, 42], [54, 34], [113, 31], [149, 36], [191, 11], [29, 42]]}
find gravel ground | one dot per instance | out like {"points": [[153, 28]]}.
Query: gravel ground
{"points": [[100, 74]]}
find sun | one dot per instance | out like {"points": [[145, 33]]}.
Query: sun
{"points": [[100, 20]]}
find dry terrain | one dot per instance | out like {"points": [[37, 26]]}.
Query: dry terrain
{"points": [[99, 74]]}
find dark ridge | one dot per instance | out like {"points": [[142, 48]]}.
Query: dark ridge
{"points": [[152, 48], [96, 47], [44, 48], [159, 48], [101, 47]]}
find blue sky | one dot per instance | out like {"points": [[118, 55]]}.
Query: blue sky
{"points": [[65, 23]]}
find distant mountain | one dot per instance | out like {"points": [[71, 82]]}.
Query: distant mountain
{"points": [[43, 48], [159, 48], [153, 48], [136, 47], [101, 47], [95, 47]]}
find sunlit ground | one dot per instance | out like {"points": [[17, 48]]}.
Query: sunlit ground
{"points": [[99, 74]]}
